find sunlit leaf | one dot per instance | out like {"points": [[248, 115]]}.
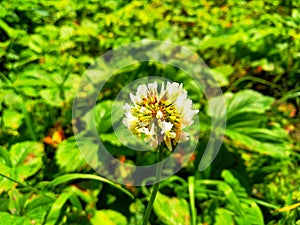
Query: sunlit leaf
{"points": [[7, 218], [68, 156], [222, 73], [109, 217], [240, 140], [27, 157], [55, 210], [12, 119], [247, 101], [172, 211]]}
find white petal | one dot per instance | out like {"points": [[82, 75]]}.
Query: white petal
{"points": [[180, 103], [141, 92], [165, 126], [127, 122], [174, 90], [129, 119], [168, 143], [127, 107], [133, 98], [162, 90], [152, 88], [144, 130]]}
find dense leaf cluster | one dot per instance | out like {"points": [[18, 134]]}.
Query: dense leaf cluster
{"points": [[253, 50]]}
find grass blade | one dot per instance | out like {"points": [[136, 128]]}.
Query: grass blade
{"points": [[74, 176]]}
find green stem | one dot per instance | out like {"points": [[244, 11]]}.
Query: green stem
{"points": [[255, 79], [155, 186], [26, 185], [20, 183], [191, 182], [28, 120]]}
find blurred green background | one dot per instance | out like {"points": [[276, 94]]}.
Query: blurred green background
{"points": [[253, 51]]}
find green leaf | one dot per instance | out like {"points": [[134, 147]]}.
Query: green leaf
{"points": [[247, 120], [108, 217], [68, 156], [56, 208], [24, 160], [100, 115], [70, 86], [4, 204], [37, 208], [36, 42], [240, 140], [9, 30], [52, 96], [76, 202], [27, 157], [7, 218], [247, 101], [222, 40], [265, 64], [17, 202], [12, 119], [5, 155], [271, 135], [29, 91], [224, 217], [247, 124], [6, 184], [232, 198], [254, 212], [137, 208], [10, 98], [246, 210], [172, 211], [34, 78], [111, 138], [103, 116], [222, 73]]}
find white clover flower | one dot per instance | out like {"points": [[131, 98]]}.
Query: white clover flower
{"points": [[160, 117]]}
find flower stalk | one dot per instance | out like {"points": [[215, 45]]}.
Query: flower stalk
{"points": [[155, 186]]}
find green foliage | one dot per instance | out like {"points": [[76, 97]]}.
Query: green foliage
{"points": [[172, 210], [247, 124], [108, 217], [22, 160], [68, 156], [252, 48]]}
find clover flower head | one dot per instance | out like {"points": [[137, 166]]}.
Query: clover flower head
{"points": [[159, 117]]}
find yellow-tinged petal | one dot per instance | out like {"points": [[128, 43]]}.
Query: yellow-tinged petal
{"points": [[168, 143]]}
